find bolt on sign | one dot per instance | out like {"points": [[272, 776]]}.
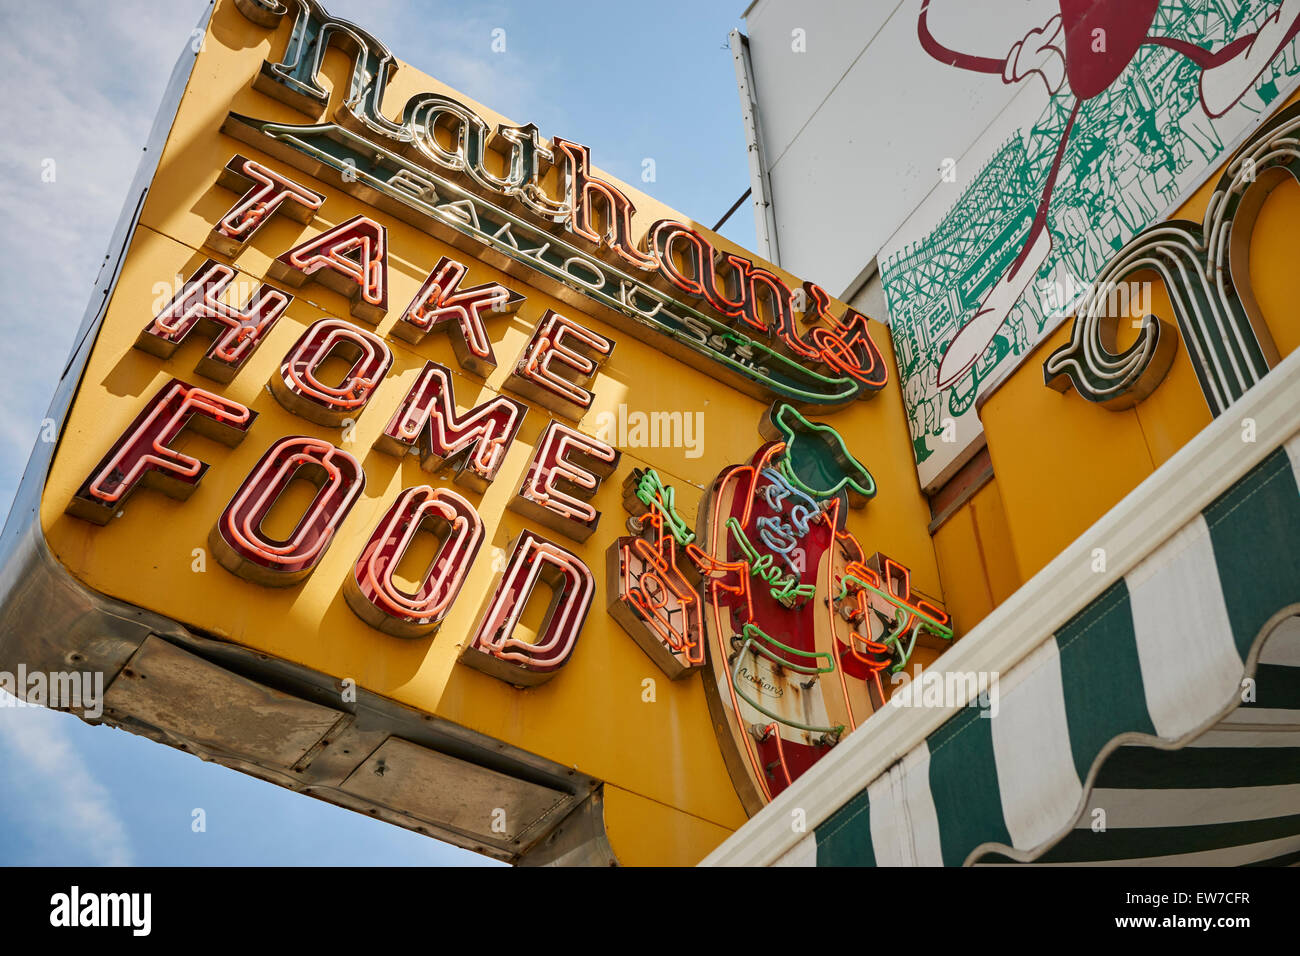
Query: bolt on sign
{"points": [[409, 460]]}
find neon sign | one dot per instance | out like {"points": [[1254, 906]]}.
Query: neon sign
{"points": [[442, 302], [1205, 268], [566, 471], [475, 442], [789, 673], [372, 591], [350, 258], [653, 594], [265, 193], [142, 455], [752, 597], [496, 650], [245, 549], [792, 667], [774, 597], [236, 332], [300, 390], [646, 286], [577, 351], [583, 192], [877, 598]]}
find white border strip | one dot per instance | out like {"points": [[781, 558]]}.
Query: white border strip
{"points": [[1176, 493]]}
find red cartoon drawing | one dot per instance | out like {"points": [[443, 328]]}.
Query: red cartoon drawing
{"points": [[1089, 44]]}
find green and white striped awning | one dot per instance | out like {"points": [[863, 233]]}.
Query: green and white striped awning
{"points": [[1158, 724]]}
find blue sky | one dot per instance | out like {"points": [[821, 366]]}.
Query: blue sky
{"points": [[632, 81]]}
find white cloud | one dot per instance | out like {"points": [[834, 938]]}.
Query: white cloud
{"points": [[69, 811], [85, 82], [453, 43]]}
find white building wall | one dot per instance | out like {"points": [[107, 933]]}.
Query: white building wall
{"points": [[857, 125]]}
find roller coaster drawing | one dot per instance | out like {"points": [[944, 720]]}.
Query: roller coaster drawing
{"points": [[1053, 201]]}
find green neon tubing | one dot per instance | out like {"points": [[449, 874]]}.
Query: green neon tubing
{"points": [[737, 682]]}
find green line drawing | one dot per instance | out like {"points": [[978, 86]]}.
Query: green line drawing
{"points": [[1135, 149]]}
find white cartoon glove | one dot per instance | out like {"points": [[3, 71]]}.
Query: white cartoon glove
{"points": [[1039, 52]]}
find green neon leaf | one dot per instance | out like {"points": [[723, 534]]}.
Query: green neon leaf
{"points": [[654, 494]]}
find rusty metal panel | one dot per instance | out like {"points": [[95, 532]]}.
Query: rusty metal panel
{"points": [[187, 696], [455, 794]]}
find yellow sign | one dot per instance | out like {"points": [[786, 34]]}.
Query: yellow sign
{"points": [[528, 513]]}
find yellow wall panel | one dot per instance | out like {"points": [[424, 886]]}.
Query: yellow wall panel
{"points": [[999, 558], [1176, 411], [1274, 276], [1057, 479], [653, 834], [961, 566]]}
